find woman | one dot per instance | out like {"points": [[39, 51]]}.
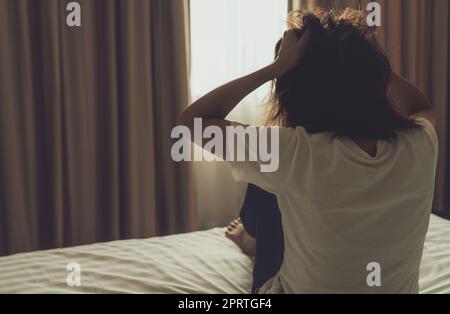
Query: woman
{"points": [[357, 161]]}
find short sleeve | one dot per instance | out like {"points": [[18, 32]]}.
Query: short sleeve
{"points": [[270, 153], [430, 132]]}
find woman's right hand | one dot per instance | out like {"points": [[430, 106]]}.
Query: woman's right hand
{"points": [[291, 51]]}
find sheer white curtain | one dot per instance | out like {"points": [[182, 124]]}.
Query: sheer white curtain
{"points": [[230, 38]]}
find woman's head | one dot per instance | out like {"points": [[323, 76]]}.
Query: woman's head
{"points": [[341, 84]]}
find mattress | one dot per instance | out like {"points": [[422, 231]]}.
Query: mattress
{"points": [[198, 262]]}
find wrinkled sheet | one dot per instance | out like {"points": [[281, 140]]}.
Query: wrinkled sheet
{"points": [[198, 262]]}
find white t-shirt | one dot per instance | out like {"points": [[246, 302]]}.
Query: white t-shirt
{"points": [[343, 209]]}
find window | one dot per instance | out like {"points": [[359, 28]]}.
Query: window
{"points": [[231, 38]]}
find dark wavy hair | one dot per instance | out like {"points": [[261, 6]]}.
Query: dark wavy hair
{"points": [[341, 83]]}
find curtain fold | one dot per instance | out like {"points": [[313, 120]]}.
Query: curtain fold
{"points": [[415, 34], [85, 120]]}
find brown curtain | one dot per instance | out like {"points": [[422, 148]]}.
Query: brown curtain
{"points": [[85, 121], [415, 34]]}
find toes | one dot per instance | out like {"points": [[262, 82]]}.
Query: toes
{"points": [[235, 223], [233, 226]]}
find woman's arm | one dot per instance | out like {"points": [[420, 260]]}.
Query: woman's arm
{"points": [[409, 99], [216, 105]]}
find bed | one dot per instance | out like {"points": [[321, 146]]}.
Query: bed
{"points": [[198, 262]]}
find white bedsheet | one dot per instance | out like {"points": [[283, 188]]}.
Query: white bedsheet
{"points": [[198, 262]]}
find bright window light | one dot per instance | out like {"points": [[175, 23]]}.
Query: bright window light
{"points": [[231, 38]]}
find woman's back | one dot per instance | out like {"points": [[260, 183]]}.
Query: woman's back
{"points": [[343, 210]]}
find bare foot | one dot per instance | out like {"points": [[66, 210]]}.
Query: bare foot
{"points": [[238, 235]]}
